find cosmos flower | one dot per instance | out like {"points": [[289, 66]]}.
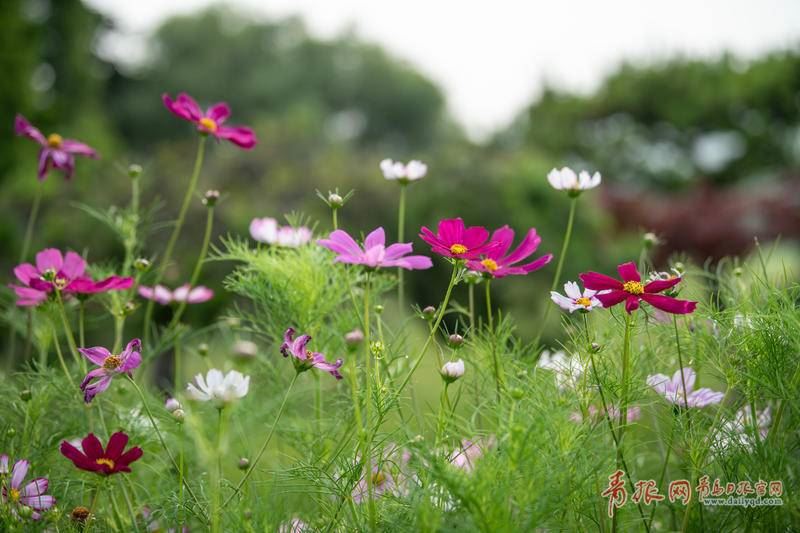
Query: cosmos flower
{"points": [[470, 451], [375, 253], [673, 391], [382, 482], [453, 239], [56, 152], [566, 180], [19, 495], [109, 365], [219, 388], [268, 231], [632, 291], [403, 174], [212, 121], [567, 370], [574, 299], [66, 273], [738, 431], [452, 370], [184, 293], [304, 359], [497, 266], [92, 458]]}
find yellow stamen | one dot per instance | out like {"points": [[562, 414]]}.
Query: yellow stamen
{"points": [[104, 461], [586, 302], [54, 140], [13, 495], [208, 124], [490, 264], [633, 287], [111, 362], [458, 249]]}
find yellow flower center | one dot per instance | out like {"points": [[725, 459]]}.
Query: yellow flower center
{"points": [[458, 249], [586, 302], [378, 478], [490, 264], [105, 461], [633, 287], [208, 124], [54, 140], [13, 495], [111, 362]]}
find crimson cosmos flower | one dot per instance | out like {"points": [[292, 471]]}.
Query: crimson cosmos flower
{"points": [[632, 291], [56, 152], [211, 122], [93, 458], [63, 272], [498, 266], [453, 239]]}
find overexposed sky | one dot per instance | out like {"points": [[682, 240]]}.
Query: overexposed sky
{"points": [[492, 57]]}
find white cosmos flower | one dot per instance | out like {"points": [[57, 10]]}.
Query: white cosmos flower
{"points": [[566, 180], [395, 170], [268, 231], [567, 370], [574, 299], [219, 388]]}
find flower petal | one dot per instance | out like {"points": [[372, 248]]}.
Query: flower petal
{"points": [[599, 282], [96, 355], [18, 473], [670, 305], [376, 238], [627, 271], [528, 245], [241, 136], [26, 129], [116, 445], [49, 259], [219, 112], [661, 285]]}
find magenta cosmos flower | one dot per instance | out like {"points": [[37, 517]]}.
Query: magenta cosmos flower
{"points": [[63, 272], [673, 391], [184, 293], [56, 152], [497, 264], [632, 291], [375, 253], [212, 121], [304, 359], [453, 239], [19, 494], [93, 458], [109, 365]]}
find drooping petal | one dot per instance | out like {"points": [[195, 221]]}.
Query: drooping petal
{"points": [[99, 386], [44, 163], [49, 259], [331, 368], [96, 355], [627, 271], [661, 285], [537, 264], [600, 282], [631, 303], [670, 305], [219, 112], [95, 373], [241, 136], [27, 297], [26, 129]]}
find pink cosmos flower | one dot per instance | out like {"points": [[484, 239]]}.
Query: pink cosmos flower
{"points": [[30, 495], [63, 272], [453, 239], [496, 265], [184, 293], [56, 152], [632, 291], [375, 253], [211, 122], [304, 359], [673, 391], [109, 365], [470, 451], [268, 231]]}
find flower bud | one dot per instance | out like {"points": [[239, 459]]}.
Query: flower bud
{"points": [[141, 264], [335, 201], [738, 272], [377, 348], [595, 347], [80, 514], [650, 240], [244, 463], [455, 340], [25, 395], [452, 370], [202, 349], [429, 312], [378, 309], [354, 338], [172, 405], [247, 514], [128, 308], [517, 393], [210, 198], [10, 432], [134, 171], [679, 268], [472, 277], [179, 415]]}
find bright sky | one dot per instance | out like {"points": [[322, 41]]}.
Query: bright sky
{"points": [[491, 58]]}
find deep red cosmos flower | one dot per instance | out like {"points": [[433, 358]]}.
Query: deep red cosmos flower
{"points": [[632, 291], [93, 458]]}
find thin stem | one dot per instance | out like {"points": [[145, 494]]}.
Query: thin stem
{"points": [[61, 358], [334, 212], [216, 511], [623, 407], [401, 223], [198, 163], [680, 365], [68, 332], [34, 214], [264, 445], [368, 378], [471, 291], [198, 266], [81, 319], [96, 498], [495, 362]]}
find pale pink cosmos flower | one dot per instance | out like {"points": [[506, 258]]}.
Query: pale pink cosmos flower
{"points": [[109, 365], [375, 253], [32, 494], [673, 389], [212, 121], [185, 293], [56, 152], [574, 299], [267, 230]]}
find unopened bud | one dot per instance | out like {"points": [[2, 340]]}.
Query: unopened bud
{"points": [[378, 309], [25, 395], [429, 312], [455, 340], [247, 514], [650, 240], [179, 415], [172, 405], [738, 272], [472, 277], [202, 349], [354, 338], [80, 514], [244, 463], [595, 347], [377, 348], [210, 198], [452, 370], [335, 201], [134, 171], [128, 308], [10, 432], [517, 393], [141, 264]]}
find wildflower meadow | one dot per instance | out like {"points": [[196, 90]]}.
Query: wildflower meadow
{"points": [[668, 402]]}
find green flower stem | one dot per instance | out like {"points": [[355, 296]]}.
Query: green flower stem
{"points": [[97, 490], [61, 358], [623, 407], [198, 163], [335, 218], [560, 264], [161, 438], [263, 446], [401, 223], [369, 379], [81, 320], [198, 267], [495, 363], [680, 366], [68, 332], [34, 214], [216, 485], [471, 292]]}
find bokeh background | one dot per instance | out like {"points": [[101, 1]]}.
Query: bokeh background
{"points": [[691, 113]]}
